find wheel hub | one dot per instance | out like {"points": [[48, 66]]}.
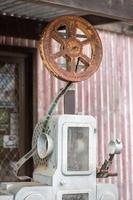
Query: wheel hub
{"points": [[73, 47]]}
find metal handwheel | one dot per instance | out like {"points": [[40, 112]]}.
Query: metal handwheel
{"points": [[74, 42]]}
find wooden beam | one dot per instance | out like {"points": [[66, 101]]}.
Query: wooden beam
{"points": [[98, 20], [121, 27], [21, 27], [31, 29], [119, 10]]}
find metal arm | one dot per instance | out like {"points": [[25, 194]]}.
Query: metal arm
{"points": [[115, 147], [103, 172]]}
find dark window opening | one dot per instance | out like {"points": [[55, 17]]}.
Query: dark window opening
{"points": [[16, 111]]}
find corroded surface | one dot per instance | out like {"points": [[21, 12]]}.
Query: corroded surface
{"points": [[72, 34]]}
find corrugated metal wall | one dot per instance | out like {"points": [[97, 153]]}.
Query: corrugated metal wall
{"points": [[108, 96], [18, 42]]}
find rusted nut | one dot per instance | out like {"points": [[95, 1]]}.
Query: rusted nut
{"points": [[64, 32]]}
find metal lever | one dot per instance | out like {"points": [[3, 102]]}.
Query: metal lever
{"points": [[16, 166], [103, 171], [115, 147]]}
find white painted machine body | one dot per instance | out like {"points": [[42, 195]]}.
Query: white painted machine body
{"points": [[70, 173]]}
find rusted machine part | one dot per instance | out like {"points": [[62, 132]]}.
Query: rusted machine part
{"points": [[65, 31], [103, 171], [105, 174]]}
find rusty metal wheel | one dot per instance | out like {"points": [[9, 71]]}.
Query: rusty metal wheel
{"points": [[71, 48]]}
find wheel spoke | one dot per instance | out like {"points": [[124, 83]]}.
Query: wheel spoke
{"points": [[86, 41], [71, 29], [58, 54], [58, 37], [72, 64], [85, 60]]}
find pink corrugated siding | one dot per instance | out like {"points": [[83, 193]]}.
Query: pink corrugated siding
{"points": [[11, 41], [107, 95]]}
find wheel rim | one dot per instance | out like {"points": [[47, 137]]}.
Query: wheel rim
{"points": [[64, 32]]}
